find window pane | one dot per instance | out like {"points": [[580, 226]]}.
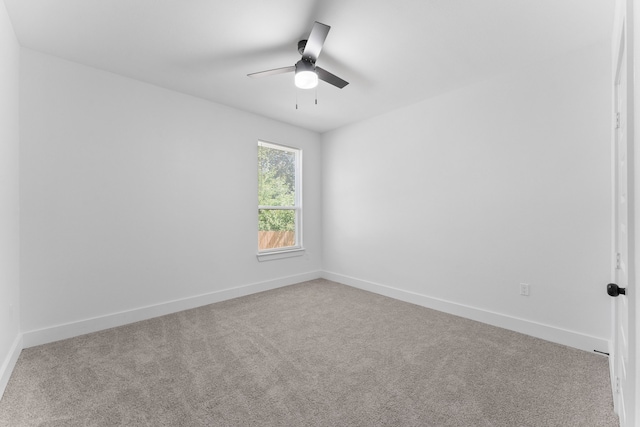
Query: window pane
{"points": [[276, 228], [276, 177]]}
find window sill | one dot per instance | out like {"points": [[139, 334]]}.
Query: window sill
{"points": [[288, 253]]}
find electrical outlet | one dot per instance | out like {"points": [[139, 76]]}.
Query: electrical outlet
{"points": [[524, 289]]}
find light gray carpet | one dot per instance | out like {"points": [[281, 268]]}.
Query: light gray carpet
{"points": [[313, 354]]}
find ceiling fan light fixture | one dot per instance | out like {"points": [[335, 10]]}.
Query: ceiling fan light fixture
{"points": [[306, 77]]}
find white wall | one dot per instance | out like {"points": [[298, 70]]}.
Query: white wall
{"points": [[136, 196], [9, 199], [455, 201]]}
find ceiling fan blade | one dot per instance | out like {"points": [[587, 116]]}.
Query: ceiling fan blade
{"points": [[273, 72], [315, 41], [330, 78]]}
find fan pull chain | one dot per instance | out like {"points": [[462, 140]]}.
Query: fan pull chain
{"points": [[296, 99], [316, 95]]}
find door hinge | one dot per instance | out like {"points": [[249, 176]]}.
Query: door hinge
{"points": [[617, 385], [617, 260], [617, 120]]}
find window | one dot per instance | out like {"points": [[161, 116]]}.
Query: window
{"points": [[279, 201]]}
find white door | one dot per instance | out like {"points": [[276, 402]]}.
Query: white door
{"points": [[624, 364]]}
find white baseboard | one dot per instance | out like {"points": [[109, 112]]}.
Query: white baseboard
{"points": [[527, 327], [69, 330], [81, 327], [9, 363]]}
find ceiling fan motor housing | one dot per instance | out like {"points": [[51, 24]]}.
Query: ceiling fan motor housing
{"points": [[301, 45], [305, 65]]}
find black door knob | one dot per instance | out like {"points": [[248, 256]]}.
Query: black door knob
{"points": [[615, 290]]}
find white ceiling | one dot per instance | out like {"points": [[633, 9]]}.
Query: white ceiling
{"points": [[392, 52]]}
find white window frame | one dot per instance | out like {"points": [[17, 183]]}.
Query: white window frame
{"points": [[298, 248]]}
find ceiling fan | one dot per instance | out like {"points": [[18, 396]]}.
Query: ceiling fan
{"points": [[306, 71]]}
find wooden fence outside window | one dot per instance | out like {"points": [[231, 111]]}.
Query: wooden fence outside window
{"points": [[275, 239]]}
